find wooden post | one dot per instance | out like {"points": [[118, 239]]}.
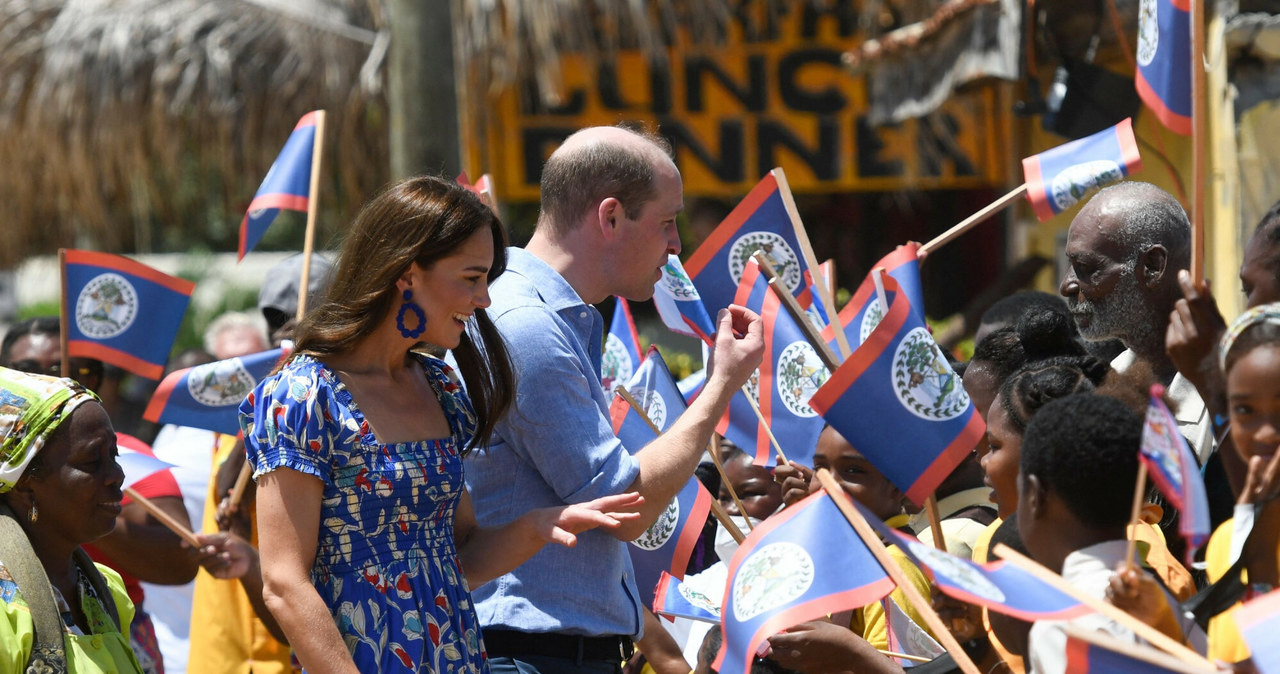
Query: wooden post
{"points": [[935, 522], [764, 423], [798, 314], [1198, 103], [64, 311], [876, 546], [1139, 494], [165, 518], [313, 205], [1151, 634], [969, 222]]}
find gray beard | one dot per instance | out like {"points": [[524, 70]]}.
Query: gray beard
{"points": [[1124, 315]]}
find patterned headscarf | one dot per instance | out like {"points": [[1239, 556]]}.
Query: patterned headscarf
{"points": [[32, 407], [1263, 313]]}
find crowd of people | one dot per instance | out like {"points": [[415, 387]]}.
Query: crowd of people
{"points": [[437, 486]]}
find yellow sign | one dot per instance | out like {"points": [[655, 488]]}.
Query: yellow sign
{"points": [[732, 113]]}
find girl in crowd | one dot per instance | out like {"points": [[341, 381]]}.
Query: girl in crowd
{"points": [[357, 443], [1249, 356]]}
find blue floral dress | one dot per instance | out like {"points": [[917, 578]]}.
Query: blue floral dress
{"points": [[386, 562]]}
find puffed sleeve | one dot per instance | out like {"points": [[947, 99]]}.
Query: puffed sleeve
{"points": [[293, 420]]}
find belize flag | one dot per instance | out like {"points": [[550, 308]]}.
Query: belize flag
{"points": [[668, 543], [790, 373], [862, 313], [1096, 652], [1258, 620], [287, 185], [1056, 179], [898, 402], [120, 311], [800, 564], [761, 221], [1175, 471], [1163, 79], [621, 357], [674, 599], [208, 396], [679, 304], [999, 586]]}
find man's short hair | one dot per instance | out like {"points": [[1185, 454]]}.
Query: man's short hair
{"points": [[230, 321], [1154, 217], [575, 181], [1084, 449]]}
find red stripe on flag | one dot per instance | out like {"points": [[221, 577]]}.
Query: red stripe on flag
{"points": [[1180, 124], [1034, 179], [1128, 146], [160, 398], [948, 459], [692, 531], [308, 119], [115, 357], [718, 238], [128, 266], [865, 355]]}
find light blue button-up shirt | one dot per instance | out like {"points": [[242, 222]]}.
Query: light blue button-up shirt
{"points": [[555, 446]]}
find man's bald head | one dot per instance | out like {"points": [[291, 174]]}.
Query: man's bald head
{"points": [[1140, 215], [597, 163]]}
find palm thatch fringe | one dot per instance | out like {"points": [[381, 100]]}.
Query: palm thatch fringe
{"points": [[120, 118]]}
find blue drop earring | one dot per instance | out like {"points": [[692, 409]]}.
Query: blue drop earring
{"points": [[417, 311]]}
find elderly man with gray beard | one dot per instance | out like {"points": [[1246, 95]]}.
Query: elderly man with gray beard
{"points": [[1124, 251]]}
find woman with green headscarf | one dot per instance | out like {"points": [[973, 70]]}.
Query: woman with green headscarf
{"points": [[60, 487]]}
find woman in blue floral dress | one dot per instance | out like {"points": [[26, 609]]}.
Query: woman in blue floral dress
{"points": [[364, 523]]}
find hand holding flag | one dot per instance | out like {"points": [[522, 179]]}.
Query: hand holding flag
{"points": [[1167, 458]]}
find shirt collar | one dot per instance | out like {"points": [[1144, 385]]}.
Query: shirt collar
{"points": [[549, 284]]}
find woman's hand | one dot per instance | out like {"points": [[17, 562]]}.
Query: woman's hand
{"points": [[561, 525], [226, 555], [794, 479]]}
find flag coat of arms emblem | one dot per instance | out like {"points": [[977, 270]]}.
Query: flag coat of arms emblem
{"points": [[679, 305], [862, 313], [761, 221], [668, 543], [800, 564], [1163, 79], [790, 373], [121, 312], [621, 355], [287, 185], [898, 402], [1175, 470], [208, 396], [1056, 179], [676, 599]]}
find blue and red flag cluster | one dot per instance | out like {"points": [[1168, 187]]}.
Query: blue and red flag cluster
{"points": [[121, 312]]}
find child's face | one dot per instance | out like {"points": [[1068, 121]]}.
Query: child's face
{"points": [[861, 480], [755, 487], [980, 383], [1253, 396], [1001, 460]]}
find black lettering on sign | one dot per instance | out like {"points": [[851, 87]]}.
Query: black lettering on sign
{"points": [[843, 11], [823, 159], [729, 168], [753, 94], [610, 91], [660, 86], [936, 141], [867, 150], [531, 101], [536, 143], [824, 102]]}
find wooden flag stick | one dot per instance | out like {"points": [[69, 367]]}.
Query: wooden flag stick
{"points": [[716, 509], [755, 407], [717, 459], [1198, 120], [1139, 494], [64, 311], [904, 656], [1151, 634], [797, 314], [935, 522], [829, 277], [313, 206], [242, 482], [876, 546], [806, 253], [165, 518], [968, 223]]}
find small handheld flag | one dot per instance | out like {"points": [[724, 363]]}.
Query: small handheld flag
{"points": [[759, 222], [1175, 471], [208, 396], [1163, 79], [862, 313], [1258, 620], [800, 564], [679, 304], [120, 311], [1056, 179], [673, 598], [138, 466], [287, 185], [898, 402], [621, 356]]}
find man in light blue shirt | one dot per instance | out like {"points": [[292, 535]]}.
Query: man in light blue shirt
{"points": [[610, 197]]}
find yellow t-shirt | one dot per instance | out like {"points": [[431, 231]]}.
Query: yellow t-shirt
{"points": [[1225, 642], [226, 635], [870, 621], [104, 650]]}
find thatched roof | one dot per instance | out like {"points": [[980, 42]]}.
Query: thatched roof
{"points": [[117, 114]]}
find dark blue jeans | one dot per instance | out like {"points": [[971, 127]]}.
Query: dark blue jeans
{"points": [[539, 664]]}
